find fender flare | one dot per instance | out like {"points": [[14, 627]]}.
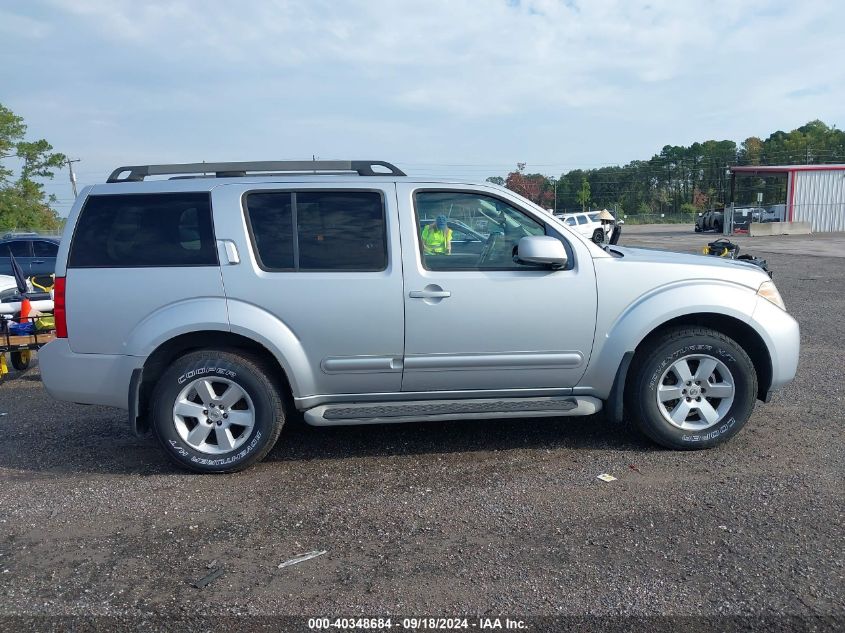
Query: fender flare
{"points": [[649, 312]]}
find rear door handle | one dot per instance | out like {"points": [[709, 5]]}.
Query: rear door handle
{"points": [[429, 294]]}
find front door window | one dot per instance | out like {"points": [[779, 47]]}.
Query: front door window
{"points": [[470, 231]]}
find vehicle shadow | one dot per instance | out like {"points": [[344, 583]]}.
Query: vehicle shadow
{"points": [[300, 441], [75, 439]]}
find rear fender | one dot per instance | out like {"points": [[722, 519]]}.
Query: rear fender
{"points": [[215, 314]]}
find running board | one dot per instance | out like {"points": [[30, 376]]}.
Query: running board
{"points": [[432, 410]]}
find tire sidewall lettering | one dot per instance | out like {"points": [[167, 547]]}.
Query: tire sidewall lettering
{"points": [[204, 371]]}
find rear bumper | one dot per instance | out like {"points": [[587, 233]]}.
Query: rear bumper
{"points": [[86, 378]]}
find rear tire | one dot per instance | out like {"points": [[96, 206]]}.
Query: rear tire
{"points": [[217, 412], [693, 388]]}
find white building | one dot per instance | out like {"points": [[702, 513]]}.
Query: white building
{"points": [[814, 193]]}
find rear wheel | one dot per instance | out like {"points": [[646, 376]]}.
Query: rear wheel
{"points": [[693, 388], [598, 236], [217, 411]]}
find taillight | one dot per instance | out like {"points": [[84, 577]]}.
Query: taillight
{"points": [[59, 311]]}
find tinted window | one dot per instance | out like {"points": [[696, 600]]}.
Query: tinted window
{"points": [[270, 217], [570, 221], [19, 248], [136, 230], [582, 219], [41, 248], [335, 230]]}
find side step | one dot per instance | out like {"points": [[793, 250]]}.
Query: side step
{"points": [[423, 410]]}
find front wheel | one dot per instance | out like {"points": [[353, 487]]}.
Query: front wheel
{"points": [[692, 388], [216, 411], [598, 236]]}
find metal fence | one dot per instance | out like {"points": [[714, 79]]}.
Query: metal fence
{"points": [[18, 230], [658, 218]]}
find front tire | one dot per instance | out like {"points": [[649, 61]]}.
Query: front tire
{"points": [[216, 411], [598, 236], [693, 388]]}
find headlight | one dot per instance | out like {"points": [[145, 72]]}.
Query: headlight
{"points": [[770, 292]]}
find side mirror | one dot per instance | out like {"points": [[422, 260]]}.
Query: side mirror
{"points": [[620, 221], [541, 249]]}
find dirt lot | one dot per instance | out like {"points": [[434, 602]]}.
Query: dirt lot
{"points": [[498, 518]]}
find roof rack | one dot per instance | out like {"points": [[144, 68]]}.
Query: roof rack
{"points": [[137, 173]]}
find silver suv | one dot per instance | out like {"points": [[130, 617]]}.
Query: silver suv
{"points": [[214, 303]]}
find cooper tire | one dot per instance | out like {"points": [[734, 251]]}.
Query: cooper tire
{"points": [[655, 380], [190, 399]]}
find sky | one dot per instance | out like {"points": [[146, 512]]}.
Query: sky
{"points": [[463, 88]]}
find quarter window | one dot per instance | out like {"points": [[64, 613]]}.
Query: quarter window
{"points": [[144, 230]]}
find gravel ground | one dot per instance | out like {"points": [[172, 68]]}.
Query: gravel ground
{"points": [[503, 517]]}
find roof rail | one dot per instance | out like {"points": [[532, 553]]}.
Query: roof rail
{"points": [[137, 173]]}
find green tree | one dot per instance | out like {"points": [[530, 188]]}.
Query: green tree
{"points": [[584, 193], [23, 201]]}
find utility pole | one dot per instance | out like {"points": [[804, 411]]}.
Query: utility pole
{"points": [[72, 175]]}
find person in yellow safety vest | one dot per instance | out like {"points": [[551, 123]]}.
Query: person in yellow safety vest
{"points": [[437, 237]]}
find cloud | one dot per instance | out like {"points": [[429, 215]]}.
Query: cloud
{"points": [[811, 91], [448, 81]]}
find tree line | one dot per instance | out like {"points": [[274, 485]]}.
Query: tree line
{"points": [[677, 180], [23, 201], [682, 179]]}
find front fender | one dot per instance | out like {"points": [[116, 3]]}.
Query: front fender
{"points": [[620, 330]]}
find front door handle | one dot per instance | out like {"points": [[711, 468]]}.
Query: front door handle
{"points": [[429, 294]]}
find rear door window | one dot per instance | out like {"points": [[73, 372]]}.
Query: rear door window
{"points": [[144, 230], [318, 230], [42, 248], [582, 219]]}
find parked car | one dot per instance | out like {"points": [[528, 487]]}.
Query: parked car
{"points": [[237, 298], [35, 254], [588, 225]]}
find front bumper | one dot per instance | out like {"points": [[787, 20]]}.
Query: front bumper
{"points": [[782, 336], [86, 378]]}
